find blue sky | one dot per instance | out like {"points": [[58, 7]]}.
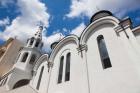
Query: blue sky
{"points": [[61, 17]]}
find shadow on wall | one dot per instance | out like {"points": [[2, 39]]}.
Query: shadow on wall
{"points": [[21, 83]]}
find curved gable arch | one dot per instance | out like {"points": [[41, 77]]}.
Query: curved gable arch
{"points": [[42, 59], [64, 41], [96, 24]]}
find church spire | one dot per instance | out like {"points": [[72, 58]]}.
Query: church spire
{"points": [[38, 34], [36, 40]]}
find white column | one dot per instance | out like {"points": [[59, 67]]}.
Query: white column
{"points": [[82, 49]]}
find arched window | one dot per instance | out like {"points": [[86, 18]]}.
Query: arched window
{"points": [[25, 55], [37, 43], [33, 58], [39, 80], [61, 69], [103, 52], [31, 41], [67, 70]]}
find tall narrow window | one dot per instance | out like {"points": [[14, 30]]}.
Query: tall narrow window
{"points": [[37, 43], [24, 57], [67, 70], [39, 80], [32, 60], [60, 70], [31, 42], [103, 52]]}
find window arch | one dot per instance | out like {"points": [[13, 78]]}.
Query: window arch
{"points": [[25, 56], [67, 69], [39, 80], [33, 58], [61, 69], [103, 52]]}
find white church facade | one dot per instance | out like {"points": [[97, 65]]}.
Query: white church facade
{"points": [[104, 59]]}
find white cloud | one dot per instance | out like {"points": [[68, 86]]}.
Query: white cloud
{"points": [[4, 21], [78, 30], [89, 7], [24, 25], [64, 29]]}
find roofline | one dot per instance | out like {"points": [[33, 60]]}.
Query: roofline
{"points": [[136, 29]]}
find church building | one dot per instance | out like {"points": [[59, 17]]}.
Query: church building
{"points": [[104, 59]]}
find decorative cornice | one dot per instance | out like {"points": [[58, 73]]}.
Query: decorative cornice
{"points": [[50, 65], [62, 42], [82, 47], [119, 29], [126, 23], [100, 22], [123, 25]]}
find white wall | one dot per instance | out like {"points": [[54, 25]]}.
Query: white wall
{"points": [[78, 79], [44, 79], [26, 66], [16, 76], [138, 37], [122, 77]]}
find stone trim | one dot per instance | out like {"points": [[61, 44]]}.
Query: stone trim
{"points": [[82, 47], [50, 65], [120, 28], [126, 23], [7, 74]]}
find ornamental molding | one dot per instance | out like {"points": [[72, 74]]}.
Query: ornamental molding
{"points": [[50, 65], [118, 29], [121, 28], [82, 47]]}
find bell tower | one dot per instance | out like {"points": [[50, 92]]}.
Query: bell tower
{"points": [[36, 40], [23, 68]]}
